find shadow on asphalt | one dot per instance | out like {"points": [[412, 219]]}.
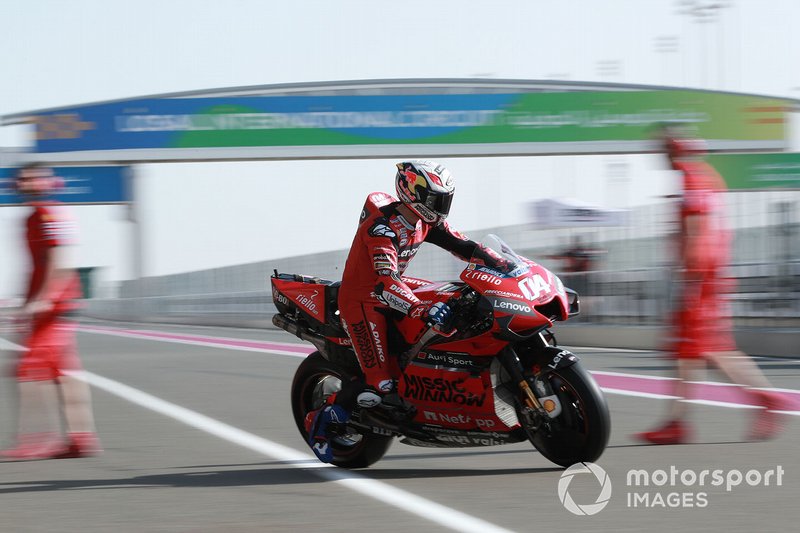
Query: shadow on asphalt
{"points": [[423, 473], [259, 476], [210, 478], [403, 457], [242, 478]]}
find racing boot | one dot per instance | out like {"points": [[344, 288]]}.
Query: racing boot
{"points": [[385, 398], [81, 444], [318, 427], [33, 447], [371, 396], [768, 422], [673, 432]]}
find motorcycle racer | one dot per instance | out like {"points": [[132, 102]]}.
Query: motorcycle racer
{"points": [[389, 234]]}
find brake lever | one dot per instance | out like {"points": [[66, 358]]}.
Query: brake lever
{"points": [[442, 332]]}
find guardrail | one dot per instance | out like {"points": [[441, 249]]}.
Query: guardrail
{"points": [[244, 309], [619, 309], [764, 295]]}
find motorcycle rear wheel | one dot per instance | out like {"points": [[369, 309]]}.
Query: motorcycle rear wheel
{"points": [[315, 379], [580, 432]]}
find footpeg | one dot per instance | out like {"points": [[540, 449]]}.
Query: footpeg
{"points": [[397, 408]]}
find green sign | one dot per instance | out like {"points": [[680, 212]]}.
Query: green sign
{"points": [[758, 171], [526, 117]]}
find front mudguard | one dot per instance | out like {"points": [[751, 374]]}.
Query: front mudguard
{"points": [[552, 358], [538, 357], [538, 361]]}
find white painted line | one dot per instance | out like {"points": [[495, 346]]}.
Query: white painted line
{"points": [[776, 389], [775, 359], [193, 342], [715, 403], [653, 395], [620, 392], [716, 384], [440, 514], [144, 336], [623, 374], [601, 349], [712, 403], [11, 346]]}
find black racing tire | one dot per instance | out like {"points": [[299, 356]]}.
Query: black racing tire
{"points": [[315, 379], [580, 432]]}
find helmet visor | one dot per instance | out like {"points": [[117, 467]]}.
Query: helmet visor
{"points": [[439, 202]]}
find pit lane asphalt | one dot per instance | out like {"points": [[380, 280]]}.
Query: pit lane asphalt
{"points": [[158, 474]]}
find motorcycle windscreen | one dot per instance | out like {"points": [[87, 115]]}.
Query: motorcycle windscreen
{"points": [[497, 255]]}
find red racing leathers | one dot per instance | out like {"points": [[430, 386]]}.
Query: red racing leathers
{"points": [[702, 318], [384, 244]]}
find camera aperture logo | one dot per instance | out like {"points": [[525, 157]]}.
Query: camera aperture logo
{"points": [[590, 508]]}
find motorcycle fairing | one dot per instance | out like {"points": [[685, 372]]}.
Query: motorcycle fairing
{"points": [[313, 300], [461, 398], [447, 438]]}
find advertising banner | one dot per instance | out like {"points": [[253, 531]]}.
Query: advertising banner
{"points": [[758, 171], [572, 213], [435, 119], [82, 185]]}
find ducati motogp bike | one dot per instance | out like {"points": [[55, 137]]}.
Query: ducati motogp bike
{"points": [[492, 375]]}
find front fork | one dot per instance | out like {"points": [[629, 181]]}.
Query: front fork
{"points": [[510, 361], [545, 402]]}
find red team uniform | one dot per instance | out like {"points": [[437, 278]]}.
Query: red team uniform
{"points": [[51, 341], [51, 354], [703, 320]]}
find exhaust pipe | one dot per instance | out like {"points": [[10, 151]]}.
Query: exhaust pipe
{"points": [[301, 332]]}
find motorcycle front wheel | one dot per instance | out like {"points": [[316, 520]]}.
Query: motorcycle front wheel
{"points": [[315, 379], [580, 432]]}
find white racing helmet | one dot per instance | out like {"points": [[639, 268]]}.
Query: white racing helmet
{"points": [[426, 188]]}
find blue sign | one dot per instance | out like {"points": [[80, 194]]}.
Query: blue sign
{"points": [[264, 121], [82, 185]]}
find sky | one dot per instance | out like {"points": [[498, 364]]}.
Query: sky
{"points": [[58, 53]]}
